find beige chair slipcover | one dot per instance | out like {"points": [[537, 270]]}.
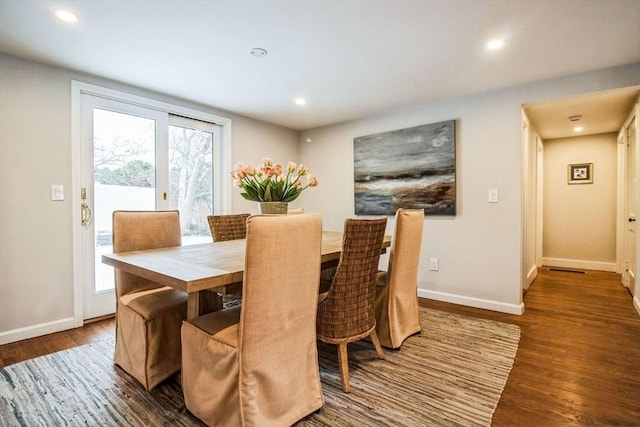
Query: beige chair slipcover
{"points": [[295, 210], [396, 306], [257, 364], [346, 310], [148, 315]]}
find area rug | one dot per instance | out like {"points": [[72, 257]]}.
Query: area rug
{"points": [[452, 374]]}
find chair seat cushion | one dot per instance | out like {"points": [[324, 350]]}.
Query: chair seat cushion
{"points": [[156, 302], [221, 325]]}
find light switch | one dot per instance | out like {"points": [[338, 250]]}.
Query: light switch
{"points": [[493, 195], [57, 192]]}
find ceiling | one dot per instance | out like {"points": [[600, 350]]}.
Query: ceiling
{"points": [[596, 113], [348, 59]]}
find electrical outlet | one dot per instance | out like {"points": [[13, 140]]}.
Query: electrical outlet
{"points": [[434, 264]]}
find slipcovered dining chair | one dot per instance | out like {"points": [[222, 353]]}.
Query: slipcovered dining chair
{"points": [[346, 310], [148, 315], [228, 227], [396, 307], [257, 364], [295, 210]]}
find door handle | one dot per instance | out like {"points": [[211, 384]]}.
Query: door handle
{"points": [[85, 211], [85, 214], [632, 220]]}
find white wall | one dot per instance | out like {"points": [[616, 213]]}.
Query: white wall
{"points": [[36, 276], [580, 219], [480, 248]]}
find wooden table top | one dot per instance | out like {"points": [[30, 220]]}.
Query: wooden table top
{"points": [[204, 266]]}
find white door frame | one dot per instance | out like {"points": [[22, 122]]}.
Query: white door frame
{"points": [[623, 209], [222, 194]]}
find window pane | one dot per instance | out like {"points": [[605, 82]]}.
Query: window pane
{"points": [[124, 176], [191, 181]]}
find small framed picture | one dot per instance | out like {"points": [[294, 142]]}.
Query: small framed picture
{"points": [[580, 173]]}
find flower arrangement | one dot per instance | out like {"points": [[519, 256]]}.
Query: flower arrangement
{"points": [[270, 183]]}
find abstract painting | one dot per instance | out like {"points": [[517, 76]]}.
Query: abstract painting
{"points": [[413, 168]]}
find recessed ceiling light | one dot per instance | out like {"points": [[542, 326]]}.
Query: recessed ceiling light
{"points": [[578, 129], [309, 140], [300, 101], [65, 15], [495, 44]]}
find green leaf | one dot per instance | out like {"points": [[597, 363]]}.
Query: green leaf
{"points": [[267, 193], [292, 195], [251, 194]]}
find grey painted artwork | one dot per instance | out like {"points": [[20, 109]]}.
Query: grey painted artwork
{"points": [[413, 168]]}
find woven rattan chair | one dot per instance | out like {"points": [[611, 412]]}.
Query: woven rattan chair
{"points": [[148, 315], [257, 364], [228, 227], [346, 311], [396, 307]]}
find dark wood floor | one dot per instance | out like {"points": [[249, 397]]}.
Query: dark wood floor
{"points": [[578, 362]]}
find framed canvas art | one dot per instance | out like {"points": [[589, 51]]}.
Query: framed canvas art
{"points": [[413, 168]]}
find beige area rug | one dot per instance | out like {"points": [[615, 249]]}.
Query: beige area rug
{"points": [[451, 374]]}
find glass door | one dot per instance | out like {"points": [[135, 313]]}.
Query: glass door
{"points": [[138, 158], [119, 157], [136, 153]]}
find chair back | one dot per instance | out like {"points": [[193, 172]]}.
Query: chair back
{"points": [[138, 230], [228, 227], [277, 342], [404, 259], [348, 310]]}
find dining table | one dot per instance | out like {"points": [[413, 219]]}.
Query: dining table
{"points": [[207, 266]]}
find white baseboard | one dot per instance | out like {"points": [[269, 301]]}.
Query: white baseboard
{"points": [[473, 302], [531, 276], [14, 335], [636, 304], [579, 264]]}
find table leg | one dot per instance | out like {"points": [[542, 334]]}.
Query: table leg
{"points": [[202, 302], [210, 301], [193, 305]]}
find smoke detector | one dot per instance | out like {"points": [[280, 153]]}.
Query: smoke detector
{"points": [[258, 52]]}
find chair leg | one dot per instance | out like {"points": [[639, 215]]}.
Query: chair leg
{"points": [[376, 344], [343, 362]]}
